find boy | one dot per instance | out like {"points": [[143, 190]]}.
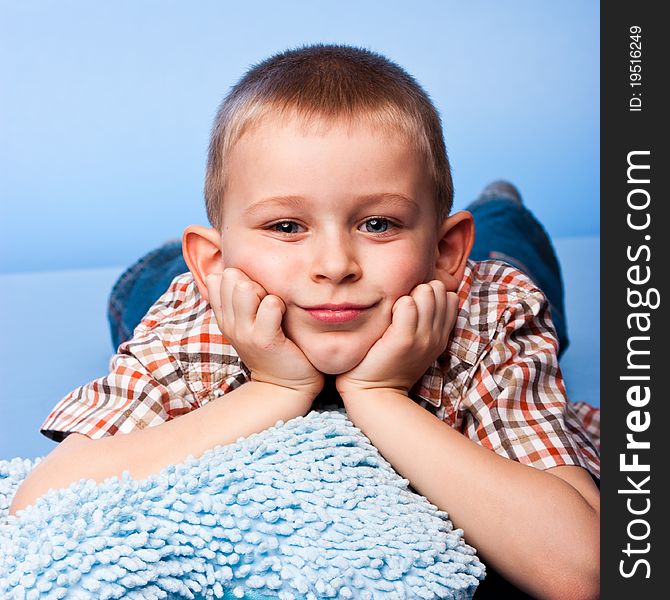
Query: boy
{"points": [[333, 264]]}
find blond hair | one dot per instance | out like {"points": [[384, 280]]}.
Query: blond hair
{"points": [[329, 82]]}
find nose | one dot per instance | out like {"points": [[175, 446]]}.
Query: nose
{"points": [[335, 258]]}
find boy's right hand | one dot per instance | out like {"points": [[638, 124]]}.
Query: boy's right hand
{"points": [[250, 319]]}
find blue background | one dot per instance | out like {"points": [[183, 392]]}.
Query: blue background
{"points": [[105, 111], [105, 108]]}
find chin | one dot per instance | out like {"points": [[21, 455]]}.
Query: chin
{"points": [[334, 359]]}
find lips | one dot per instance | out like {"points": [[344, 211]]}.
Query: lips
{"points": [[337, 313]]}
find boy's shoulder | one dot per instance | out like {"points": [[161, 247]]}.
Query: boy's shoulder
{"points": [[489, 287], [491, 294], [497, 274], [179, 308], [498, 307], [181, 325]]}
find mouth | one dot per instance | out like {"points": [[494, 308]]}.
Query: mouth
{"points": [[337, 313]]}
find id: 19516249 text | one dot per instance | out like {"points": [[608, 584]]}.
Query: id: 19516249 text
{"points": [[635, 68]]}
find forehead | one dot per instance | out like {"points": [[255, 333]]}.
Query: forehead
{"points": [[326, 155]]}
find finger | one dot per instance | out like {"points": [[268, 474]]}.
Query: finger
{"points": [[246, 297], [440, 318], [213, 283], [268, 320], [405, 317], [424, 297], [451, 312], [231, 277], [228, 280]]}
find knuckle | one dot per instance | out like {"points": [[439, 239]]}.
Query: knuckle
{"points": [[405, 343], [271, 301], [438, 286], [274, 303], [403, 304], [229, 275], [407, 302]]}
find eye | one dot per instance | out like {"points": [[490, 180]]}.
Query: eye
{"points": [[286, 227], [377, 225]]}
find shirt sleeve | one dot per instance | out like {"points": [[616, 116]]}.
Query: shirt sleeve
{"points": [[145, 387], [516, 403], [176, 361]]}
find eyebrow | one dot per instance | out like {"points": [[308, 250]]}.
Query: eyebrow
{"points": [[297, 202], [291, 202], [393, 198]]}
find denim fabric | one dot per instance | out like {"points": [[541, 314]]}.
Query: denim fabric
{"points": [[140, 286], [505, 230]]}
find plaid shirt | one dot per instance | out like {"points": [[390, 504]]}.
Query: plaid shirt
{"points": [[498, 381]]}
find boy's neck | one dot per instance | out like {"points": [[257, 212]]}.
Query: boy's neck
{"points": [[328, 397]]}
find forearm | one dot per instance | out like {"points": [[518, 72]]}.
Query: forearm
{"points": [[251, 408], [532, 526]]}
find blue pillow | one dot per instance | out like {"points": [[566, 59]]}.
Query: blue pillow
{"points": [[305, 509]]}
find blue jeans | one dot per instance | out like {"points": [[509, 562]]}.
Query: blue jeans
{"points": [[505, 230], [508, 231]]}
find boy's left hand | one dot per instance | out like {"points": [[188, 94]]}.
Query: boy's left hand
{"points": [[419, 331]]}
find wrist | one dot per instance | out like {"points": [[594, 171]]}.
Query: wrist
{"points": [[362, 394], [295, 395]]}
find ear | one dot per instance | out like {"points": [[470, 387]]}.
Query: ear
{"points": [[457, 234], [201, 247]]}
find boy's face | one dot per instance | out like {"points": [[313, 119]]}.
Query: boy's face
{"points": [[338, 223]]}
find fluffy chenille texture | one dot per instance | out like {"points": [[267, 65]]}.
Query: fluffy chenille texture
{"points": [[305, 509]]}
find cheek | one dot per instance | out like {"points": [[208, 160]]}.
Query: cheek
{"points": [[405, 270], [273, 272]]}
